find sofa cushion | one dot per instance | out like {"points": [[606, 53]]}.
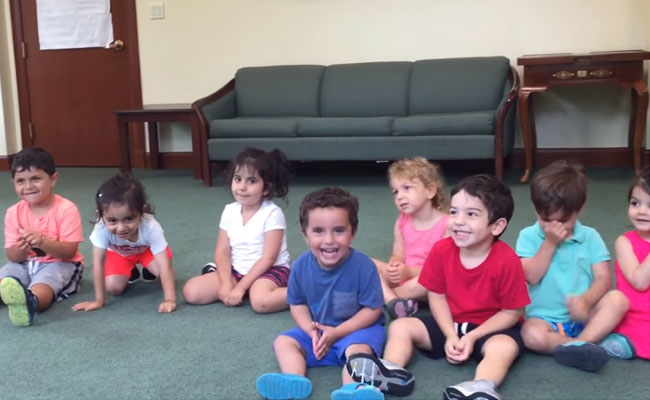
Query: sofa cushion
{"points": [[468, 123], [253, 127], [374, 126], [457, 84], [365, 90], [278, 91]]}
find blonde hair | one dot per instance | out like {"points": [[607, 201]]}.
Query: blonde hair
{"points": [[428, 173]]}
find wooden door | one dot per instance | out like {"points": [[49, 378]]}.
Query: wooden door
{"points": [[67, 97]]}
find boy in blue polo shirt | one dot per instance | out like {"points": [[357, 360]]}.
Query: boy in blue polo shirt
{"points": [[567, 269]]}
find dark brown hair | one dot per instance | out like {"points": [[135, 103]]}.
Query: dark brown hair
{"points": [[273, 167], [330, 197], [561, 186]]}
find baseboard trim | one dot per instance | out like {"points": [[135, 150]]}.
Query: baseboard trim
{"points": [[589, 157], [173, 160], [5, 162]]}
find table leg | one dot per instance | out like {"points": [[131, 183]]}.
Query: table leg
{"points": [[527, 130], [197, 147], [123, 139], [637, 122], [154, 152]]}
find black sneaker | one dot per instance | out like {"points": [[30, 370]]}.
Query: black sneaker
{"points": [[135, 275], [209, 267], [148, 276]]}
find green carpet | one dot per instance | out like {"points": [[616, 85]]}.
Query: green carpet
{"points": [[129, 351]]}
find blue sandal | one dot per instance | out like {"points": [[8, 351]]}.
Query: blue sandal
{"points": [[276, 386], [357, 391]]}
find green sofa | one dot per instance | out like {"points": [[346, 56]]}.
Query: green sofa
{"points": [[457, 108]]}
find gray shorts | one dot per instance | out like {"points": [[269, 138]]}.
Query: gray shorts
{"points": [[63, 277]]}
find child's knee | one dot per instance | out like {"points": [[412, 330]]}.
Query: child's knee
{"points": [[617, 300], [534, 337], [114, 288], [502, 345]]}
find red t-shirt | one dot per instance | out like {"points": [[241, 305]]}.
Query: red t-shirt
{"points": [[474, 295]]}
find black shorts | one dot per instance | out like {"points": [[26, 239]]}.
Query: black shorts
{"points": [[438, 339]]}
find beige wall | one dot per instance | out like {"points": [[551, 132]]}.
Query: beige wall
{"points": [[200, 44]]}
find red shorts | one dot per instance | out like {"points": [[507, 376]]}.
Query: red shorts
{"points": [[117, 264]]}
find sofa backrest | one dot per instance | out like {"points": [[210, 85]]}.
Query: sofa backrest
{"points": [[457, 84], [365, 89], [278, 91]]}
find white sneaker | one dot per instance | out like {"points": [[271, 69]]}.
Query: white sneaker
{"points": [[475, 390], [387, 376]]}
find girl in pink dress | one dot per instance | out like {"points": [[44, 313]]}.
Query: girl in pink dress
{"points": [[419, 195], [633, 268]]}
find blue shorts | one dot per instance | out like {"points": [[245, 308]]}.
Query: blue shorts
{"points": [[374, 336], [570, 329]]}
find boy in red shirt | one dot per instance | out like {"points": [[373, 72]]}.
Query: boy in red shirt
{"points": [[42, 235], [477, 293]]}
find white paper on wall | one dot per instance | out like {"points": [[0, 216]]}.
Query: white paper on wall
{"points": [[73, 24]]}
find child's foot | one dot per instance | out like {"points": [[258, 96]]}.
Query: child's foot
{"points": [[148, 276], [21, 302], [357, 391], [385, 375], [275, 386], [582, 355], [135, 275], [400, 308], [618, 346], [476, 389], [207, 268]]}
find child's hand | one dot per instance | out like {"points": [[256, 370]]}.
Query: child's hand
{"points": [[23, 245], [396, 272], [325, 341], [466, 346], [234, 298], [88, 306], [167, 306], [453, 350], [34, 239], [578, 308], [555, 232]]}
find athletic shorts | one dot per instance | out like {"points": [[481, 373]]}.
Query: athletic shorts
{"points": [[570, 329], [61, 276], [117, 264], [279, 275], [374, 336], [438, 338]]}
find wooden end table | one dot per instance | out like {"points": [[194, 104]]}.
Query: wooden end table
{"points": [[151, 115], [623, 68]]}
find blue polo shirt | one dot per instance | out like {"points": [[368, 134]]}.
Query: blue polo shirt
{"points": [[570, 271]]}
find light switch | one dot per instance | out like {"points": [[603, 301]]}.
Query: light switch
{"points": [[157, 10]]}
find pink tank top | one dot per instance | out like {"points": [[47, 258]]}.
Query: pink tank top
{"points": [[418, 244], [636, 322]]}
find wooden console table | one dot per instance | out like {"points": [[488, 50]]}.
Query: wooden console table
{"points": [[623, 68], [151, 114]]}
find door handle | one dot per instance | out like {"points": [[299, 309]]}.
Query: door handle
{"points": [[116, 45]]}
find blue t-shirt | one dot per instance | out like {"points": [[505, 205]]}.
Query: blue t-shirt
{"points": [[334, 296], [570, 271]]}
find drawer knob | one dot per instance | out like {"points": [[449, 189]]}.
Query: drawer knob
{"points": [[601, 73], [563, 75]]}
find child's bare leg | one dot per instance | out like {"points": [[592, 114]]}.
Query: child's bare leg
{"points": [[605, 316], [354, 349], [386, 285], [403, 335], [499, 352], [202, 289], [45, 296], [539, 336], [411, 289], [290, 356], [116, 284], [267, 297]]}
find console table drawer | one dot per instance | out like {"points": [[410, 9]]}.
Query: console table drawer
{"points": [[576, 75]]}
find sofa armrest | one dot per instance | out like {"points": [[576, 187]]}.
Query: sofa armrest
{"points": [[504, 126], [220, 104]]}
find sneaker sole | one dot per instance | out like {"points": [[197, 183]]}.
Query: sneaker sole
{"points": [[13, 295], [373, 372], [587, 357], [283, 386], [455, 394], [357, 394], [616, 349]]}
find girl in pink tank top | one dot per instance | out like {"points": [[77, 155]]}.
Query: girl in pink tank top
{"points": [[633, 267], [419, 194]]}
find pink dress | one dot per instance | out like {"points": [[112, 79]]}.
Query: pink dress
{"points": [[418, 244], [636, 322]]}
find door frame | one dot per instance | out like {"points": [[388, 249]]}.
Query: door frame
{"points": [[137, 141]]}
